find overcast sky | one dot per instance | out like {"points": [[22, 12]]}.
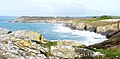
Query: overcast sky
{"points": [[59, 7]]}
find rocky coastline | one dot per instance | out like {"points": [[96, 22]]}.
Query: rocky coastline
{"points": [[26, 44], [108, 28], [103, 27]]}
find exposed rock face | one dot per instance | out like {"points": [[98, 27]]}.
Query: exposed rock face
{"points": [[80, 26], [70, 50], [25, 44], [63, 51], [19, 48], [113, 44], [26, 34], [71, 25], [90, 28], [106, 29], [81, 52]]}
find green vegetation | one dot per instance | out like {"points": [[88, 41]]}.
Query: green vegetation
{"points": [[115, 17], [94, 17], [48, 53], [98, 18], [49, 44], [109, 54], [104, 17]]}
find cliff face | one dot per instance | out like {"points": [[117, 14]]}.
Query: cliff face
{"points": [[104, 29], [110, 29]]}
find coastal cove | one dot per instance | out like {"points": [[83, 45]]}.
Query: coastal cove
{"points": [[55, 31], [59, 38]]}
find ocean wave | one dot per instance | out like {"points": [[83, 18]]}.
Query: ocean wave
{"points": [[89, 37]]}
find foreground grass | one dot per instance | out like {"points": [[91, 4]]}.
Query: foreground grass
{"points": [[109, 54]]}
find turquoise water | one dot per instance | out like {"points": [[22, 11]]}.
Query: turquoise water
{"points": [[53, 31]]}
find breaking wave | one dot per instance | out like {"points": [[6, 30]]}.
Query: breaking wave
{"points": [[85, 37]]}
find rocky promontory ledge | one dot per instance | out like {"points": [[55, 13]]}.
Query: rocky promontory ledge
{"points": [[26, 44]]}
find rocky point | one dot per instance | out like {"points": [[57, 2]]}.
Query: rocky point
{"points": [[26, 44]]}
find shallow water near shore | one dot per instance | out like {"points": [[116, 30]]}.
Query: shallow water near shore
{"points": [[54, 31]]}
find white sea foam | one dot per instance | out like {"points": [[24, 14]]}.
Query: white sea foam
{"points": [[90, 37], [62, 29]]}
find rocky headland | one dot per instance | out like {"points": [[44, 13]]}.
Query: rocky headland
{"points": [[26, 44], [108, 28], [103, 27]]}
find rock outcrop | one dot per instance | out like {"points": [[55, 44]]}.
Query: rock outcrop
{"points": [[25, 44], [26, 34], [20, 46], [107, 28], [63, 51]]}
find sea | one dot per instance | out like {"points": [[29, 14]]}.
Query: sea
{"points": [[53, 32]]}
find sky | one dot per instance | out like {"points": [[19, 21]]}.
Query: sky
{"points": [[59, 7]]}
